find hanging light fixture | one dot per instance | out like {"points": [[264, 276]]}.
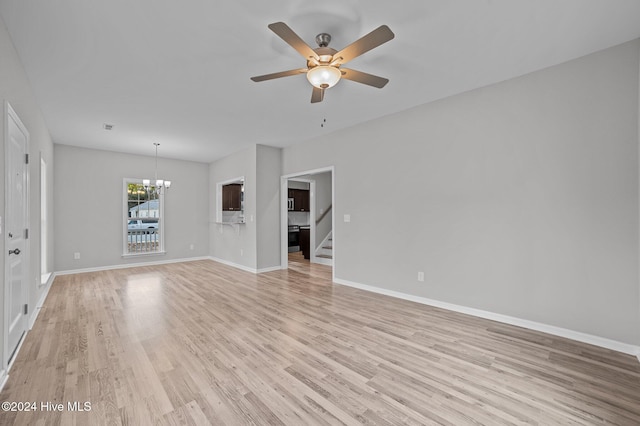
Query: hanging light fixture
{"points": [[160, 184]]}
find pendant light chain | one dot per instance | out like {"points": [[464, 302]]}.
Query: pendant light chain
{"points": [[158, 185]]}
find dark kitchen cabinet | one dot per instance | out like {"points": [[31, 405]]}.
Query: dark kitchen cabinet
{"points": [[300, 199], [232, 197], [305, 239]]}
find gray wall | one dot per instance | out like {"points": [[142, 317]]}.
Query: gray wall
{"points": [[520, 198], [89, 212], [254, 245], [235, 244], [15, 88], [268, 167], [323, 202]]}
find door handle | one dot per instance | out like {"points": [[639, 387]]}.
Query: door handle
{"points": [[15, 251]]}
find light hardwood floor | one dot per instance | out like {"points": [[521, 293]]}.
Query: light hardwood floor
{"points": [[203, 343]]}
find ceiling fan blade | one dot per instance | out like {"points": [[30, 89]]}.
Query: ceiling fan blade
{"points": [[375, 38], [317, 95], [364, 78], [287, 34], [279, 74]]}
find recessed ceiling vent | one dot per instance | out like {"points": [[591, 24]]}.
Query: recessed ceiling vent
{"points": [[107, 126]]}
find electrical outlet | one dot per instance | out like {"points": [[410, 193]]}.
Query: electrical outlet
{"points": [[76, 255], [421, 276], [191, 247], [347, 218], [241, 252]]}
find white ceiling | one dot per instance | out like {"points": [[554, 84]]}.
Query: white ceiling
{"points": [[177, 72]]}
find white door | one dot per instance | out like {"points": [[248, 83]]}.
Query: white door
{"points": [[16, 234]]}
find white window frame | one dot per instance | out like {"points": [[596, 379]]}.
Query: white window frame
{"points": [[126, 218]]}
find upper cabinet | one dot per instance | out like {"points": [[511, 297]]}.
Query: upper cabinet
{"points": [[230, 201], [300, 199], [232, 197]]}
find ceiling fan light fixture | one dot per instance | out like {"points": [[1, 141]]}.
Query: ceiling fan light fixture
{"points": [[324, 76]]}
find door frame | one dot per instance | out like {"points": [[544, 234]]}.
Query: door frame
{"points": [[9, 113], [284, 230]]}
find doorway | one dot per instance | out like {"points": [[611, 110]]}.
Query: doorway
{"points": [[16, 267], [310, 227]]}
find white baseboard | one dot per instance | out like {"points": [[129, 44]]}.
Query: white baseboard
{"points": [[3, 379], [532, 325], [269, 269], [245, 268], [45, 292], [163, 262], [130, 265], [234, 265]]}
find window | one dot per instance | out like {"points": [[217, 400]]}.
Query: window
{"points": [[143, 214]]}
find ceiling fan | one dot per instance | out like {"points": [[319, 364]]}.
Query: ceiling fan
{"points": [[324, 63]]}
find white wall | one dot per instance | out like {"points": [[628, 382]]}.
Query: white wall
{"points": [[520, 198], [89, 214], [15, 88]]}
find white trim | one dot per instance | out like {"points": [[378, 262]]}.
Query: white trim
{"points": [[309, 172], [284, 231], [269, 269], [245, 268], [234, 265], [164, 262], [3, 379], [9, 113], [638, 234], [43, 297], [44, 225], [129, 265], [143, 254], [44, 278], [532, 325], [15, 354]]}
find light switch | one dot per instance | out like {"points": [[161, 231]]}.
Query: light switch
{"points": [[347, 218]]}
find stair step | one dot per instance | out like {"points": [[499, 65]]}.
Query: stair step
{"points": [[328, 247], [326, 256]]}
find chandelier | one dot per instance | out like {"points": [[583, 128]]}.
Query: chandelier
{"points": [[160, 185]]}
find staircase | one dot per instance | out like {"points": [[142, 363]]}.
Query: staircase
{"points": [[324, 253]]}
